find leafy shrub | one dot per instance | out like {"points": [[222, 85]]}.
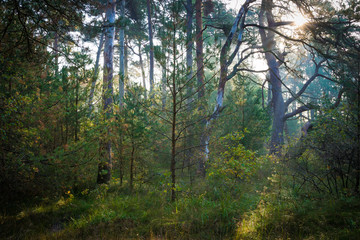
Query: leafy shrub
{"points": [[235, 162]]}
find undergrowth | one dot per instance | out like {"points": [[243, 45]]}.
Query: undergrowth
{"points": [[115, 213], [207, 210]]}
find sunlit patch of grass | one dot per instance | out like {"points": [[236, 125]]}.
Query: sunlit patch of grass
{"points": [[288, 218]]}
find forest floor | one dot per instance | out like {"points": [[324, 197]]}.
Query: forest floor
{"points": [[249, 212]]}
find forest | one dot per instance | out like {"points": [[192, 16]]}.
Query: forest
{"points": [[179, 119]]}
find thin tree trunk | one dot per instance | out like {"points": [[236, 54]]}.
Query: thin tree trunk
{"points": [[132, 167], [142, 70], [189, 76], [174, 119], [104, 171], [76, 138], [151, 75], [163, 87]]}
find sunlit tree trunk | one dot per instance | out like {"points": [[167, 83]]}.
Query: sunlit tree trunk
{"points": [[104, 171]]}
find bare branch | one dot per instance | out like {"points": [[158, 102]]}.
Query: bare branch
{"points": [[304, 87]]}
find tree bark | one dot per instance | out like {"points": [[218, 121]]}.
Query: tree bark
{"points": [[277, 101], [200, 84], [104, 170]]}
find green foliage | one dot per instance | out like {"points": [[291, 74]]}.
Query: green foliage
{"points": [[235, 162], [326, 161], [244, 110], [286, 216]]}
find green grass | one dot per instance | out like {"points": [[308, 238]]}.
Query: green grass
{"points": [[292, 218], [207, 211], [113, 213]]}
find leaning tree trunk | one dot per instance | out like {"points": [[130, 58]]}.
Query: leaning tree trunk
{"points": [[104, 171]]}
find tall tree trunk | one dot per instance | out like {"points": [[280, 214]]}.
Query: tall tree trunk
{"points": [[104, 171], [189, 80], [174, 119], [200, 84], [151, 74], [278, 105], [122, 76], [122, 55], [96, 72]]}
